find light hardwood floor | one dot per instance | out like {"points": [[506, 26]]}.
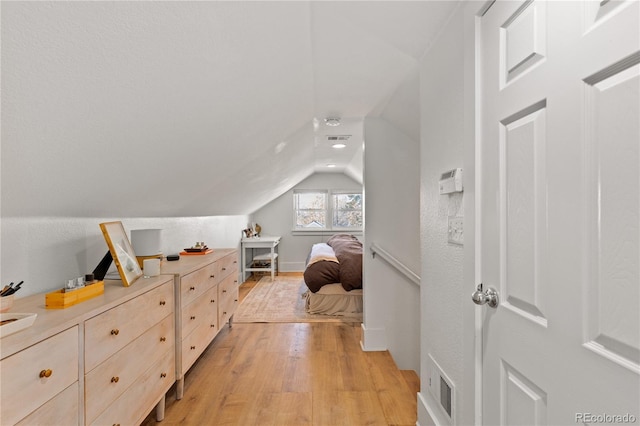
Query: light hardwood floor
{"points": [[293, 374]]}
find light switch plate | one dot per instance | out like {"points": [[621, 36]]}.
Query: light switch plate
{"points": [[455, 230]]}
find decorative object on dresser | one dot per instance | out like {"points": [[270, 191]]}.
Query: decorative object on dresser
{"points": [[198, 248], [6, 302], [206, 291], [147, 244], [121, 252], [12, 323], [63, 298]]}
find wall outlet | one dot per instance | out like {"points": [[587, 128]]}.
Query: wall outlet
{"points": [[455, 230]]}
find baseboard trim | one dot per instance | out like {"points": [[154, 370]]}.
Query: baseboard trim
{"points": [[429, 412], [373, 339], [424, 418], [291, 266]]}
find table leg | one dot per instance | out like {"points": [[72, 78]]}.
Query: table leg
{"points": [[160, 409], [273, 265], [180, 388]]}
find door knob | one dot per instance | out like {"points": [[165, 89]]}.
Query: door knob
{"points": [[488, 296]]}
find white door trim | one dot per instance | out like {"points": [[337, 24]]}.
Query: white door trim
{"points": [[474, 13]]}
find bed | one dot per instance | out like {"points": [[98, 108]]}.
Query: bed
{"points": [[333, 275]]}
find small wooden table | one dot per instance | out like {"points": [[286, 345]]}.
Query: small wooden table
{"points": [[270, 242]]}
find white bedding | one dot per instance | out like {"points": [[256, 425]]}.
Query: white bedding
{"points": [[322, 251]]}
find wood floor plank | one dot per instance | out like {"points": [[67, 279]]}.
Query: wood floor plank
{"points": [[292, 374], [298, 374], [412, 379], [397, 400], [347, 408], [278, 409]]}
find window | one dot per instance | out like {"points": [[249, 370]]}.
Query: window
{"points": [[347, 210], [327, 210], [310, 209]]}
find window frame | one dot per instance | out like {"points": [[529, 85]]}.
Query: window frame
{"points": [[333, 206], [329, 211], [325, 193]]}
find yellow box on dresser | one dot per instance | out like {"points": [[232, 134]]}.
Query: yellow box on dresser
{"points": [[61, 299]]}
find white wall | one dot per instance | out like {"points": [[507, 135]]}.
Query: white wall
{"points": [[46, 251], [447, 269], [391, 301], [276, 218]]}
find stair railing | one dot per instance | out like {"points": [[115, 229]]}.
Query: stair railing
{"points": [[401, 267]]}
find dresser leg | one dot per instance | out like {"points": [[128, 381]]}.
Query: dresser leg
{"points": [[231, 321], [180, 388], [160, 409]]}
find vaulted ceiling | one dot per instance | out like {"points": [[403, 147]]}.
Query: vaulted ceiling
{"points": [[182, 108]]}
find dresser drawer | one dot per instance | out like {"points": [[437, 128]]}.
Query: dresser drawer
{"points": [[197, 283], [61, 410], [109, 380], [25, 385], [112, 330], [200, 310], [133, 406], [195, 343], [228, 265]]}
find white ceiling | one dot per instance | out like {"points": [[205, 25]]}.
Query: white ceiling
{"points": [[192, 108]]}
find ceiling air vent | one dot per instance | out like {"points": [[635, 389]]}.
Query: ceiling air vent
{"points": [[338, 138]]}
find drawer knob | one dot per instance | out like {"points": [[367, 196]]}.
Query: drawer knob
{"points": [[115, 379], [193, 347], [163, 339], [163, 375], [162, 303], [115, 332], [213, 326], [224, 313], [213, 301], [193, 317], [224, 291], [46, 373], [235, 300], [191, 288], [224, 269], [212, 276]]}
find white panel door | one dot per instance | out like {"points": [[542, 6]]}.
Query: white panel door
{"points": [[559, 160]]}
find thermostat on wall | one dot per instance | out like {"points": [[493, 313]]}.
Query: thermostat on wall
{"points": [[451, 181]]}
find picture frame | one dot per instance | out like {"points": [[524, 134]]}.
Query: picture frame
{"points": [[121, 252]]}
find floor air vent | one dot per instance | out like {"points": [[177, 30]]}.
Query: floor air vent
{"points": [[442, 389]]}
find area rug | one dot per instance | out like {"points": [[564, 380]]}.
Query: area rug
{"points": [[280, 300]]}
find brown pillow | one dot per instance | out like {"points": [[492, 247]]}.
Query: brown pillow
{"points": [[321, 273]]}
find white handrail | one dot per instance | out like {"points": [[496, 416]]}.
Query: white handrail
{"points": [[375, 249]]}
